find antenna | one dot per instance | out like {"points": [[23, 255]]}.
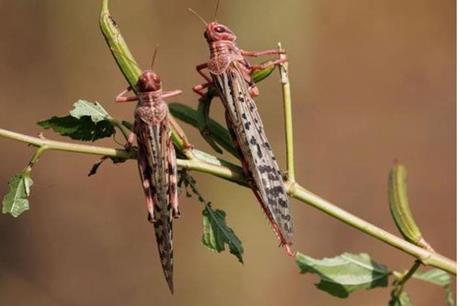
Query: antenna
{"points": [[154, 56], [199, 16], [217, 10]]}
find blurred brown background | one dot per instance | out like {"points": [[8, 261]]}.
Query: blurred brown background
{"points": [[372, 81]]}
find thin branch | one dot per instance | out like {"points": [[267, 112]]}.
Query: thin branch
{"points": [[65, 146], [401, 280], [38, 153], [206, 163], [289, 134], [409, 273]]}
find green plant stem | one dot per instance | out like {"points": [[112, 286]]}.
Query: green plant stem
{"points": [[409, 273], [66, 146], [425, 256], [40, 150], [289, 134], [233, 173]]}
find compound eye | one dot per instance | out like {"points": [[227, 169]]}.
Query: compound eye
{"points": [[220, 29]]}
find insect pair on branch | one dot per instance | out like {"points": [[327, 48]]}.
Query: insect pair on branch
{"points": [[229, 72]]}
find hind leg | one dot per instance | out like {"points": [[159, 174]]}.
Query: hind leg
{"points": [[146, 187]]}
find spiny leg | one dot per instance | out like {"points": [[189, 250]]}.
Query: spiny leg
{"points": [[200, 87], [204, 108], [121, 97], [267, 64], [262, 53], [172, 122], [200, 68], [130, 141], [170, 94]]}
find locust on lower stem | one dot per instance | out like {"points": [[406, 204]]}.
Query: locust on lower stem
{"points": [[156, 161], [230, 72]]}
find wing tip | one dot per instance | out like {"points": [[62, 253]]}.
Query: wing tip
{"points": [[171, 285]]}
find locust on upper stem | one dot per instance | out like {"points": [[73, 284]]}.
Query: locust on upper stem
{"points": [[230, 73]]}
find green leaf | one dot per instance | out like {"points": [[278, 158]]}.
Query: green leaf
{"points": [[346, 273], [435, 276], [94, 110], [87, 121], [402, 299], [216, 233], [16, 200], [79, 129], [260, 75], [217, 132], [439, 278]]}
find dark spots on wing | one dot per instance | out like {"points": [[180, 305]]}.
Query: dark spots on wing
{"points": [[247, 125], [275, 191], [286, 227], [259, 151], [266, 169], [282, 203], [286, 217]]}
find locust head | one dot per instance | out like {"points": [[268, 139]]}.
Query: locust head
{"points": [[149, 81], [218, 32]]}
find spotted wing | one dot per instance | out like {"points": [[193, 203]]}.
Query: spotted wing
{"points": [[257, 156], [154, 150]]}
